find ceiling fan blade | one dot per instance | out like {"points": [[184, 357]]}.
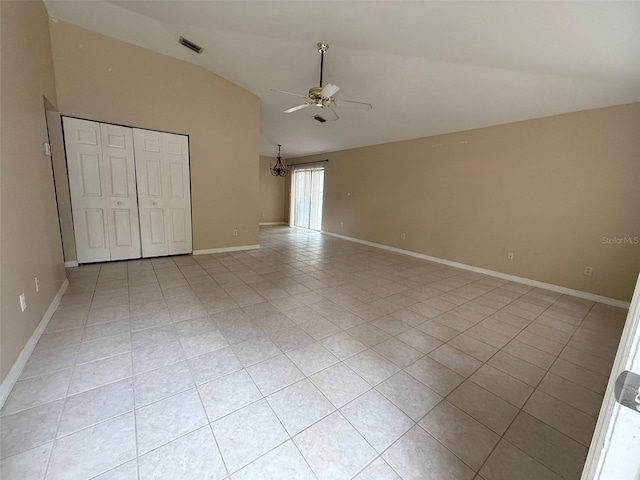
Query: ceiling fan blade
{"points": [[289, 93], [329, 114], [329, 90], [299, 107], [349, 103]]}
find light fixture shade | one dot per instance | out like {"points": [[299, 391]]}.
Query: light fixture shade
{"points": [[278, 170]]}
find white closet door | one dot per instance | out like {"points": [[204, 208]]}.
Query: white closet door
{"points": [[178, 200], [151, 186], [88, 199], [120, 189], [164, 192], [103, 190]]}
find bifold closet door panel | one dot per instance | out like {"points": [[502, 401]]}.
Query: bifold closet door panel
{"points": [[102, 184], [164, 192], [150, 193], [178, 199], [83, 144], [120, 186]]}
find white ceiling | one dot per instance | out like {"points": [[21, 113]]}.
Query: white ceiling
{"points": [[427, 67]]}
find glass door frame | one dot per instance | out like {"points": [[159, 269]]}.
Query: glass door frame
{"points": [[294, 197]]}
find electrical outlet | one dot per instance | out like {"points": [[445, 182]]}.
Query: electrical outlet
{"points": [[588, 271], [341, 224], [23, 302], [235, 232], [510, 256], [403, 236], [37, 283]]}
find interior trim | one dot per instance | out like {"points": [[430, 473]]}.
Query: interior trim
{"points": [[13, 375], [513, 278], [225, 249]]}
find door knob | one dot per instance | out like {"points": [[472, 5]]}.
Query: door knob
{"points": [[155, 203], [119, 203]]}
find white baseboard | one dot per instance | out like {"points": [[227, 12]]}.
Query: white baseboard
{"points": [[72, 263], [271, 223], [13, 375], [527, 281], [239, 248]]}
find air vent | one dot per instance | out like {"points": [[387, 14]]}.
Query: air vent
{"points": [[319, 118], [190, 45]]}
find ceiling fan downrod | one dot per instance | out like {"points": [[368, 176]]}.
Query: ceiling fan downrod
{"points": [[322, 48]]}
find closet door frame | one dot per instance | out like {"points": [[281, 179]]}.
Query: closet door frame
{"points": [[106, 227]]}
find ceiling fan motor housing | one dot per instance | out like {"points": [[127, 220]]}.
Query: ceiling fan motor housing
{"points": [[322, 96], [315, 95]]}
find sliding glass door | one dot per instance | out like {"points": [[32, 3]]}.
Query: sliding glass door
{"points": [[308, 190]]}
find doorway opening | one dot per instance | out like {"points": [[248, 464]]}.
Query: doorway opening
{"points": [[306, 198]]}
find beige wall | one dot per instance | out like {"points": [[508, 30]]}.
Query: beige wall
{"points": [[104, 79], [271, 194], [30, 237], [547, 189]]}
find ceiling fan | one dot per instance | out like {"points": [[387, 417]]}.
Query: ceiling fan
{"points": [[322, 97]]}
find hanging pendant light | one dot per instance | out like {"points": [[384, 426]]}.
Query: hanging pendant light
{"points": [[278, 170]]}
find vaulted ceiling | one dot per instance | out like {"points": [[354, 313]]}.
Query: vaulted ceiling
{"points": [[427, 67]]}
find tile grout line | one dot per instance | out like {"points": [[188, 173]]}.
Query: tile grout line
{"points": [[416, 423], [381, 273], [133, 388], [468, 378], [502, 436], [64, 403]]}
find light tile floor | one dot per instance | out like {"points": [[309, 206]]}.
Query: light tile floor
{"points": [[311, 358]]}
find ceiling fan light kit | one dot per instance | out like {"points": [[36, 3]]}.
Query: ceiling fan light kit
{"points": [[322, 97], [278, 170]]}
